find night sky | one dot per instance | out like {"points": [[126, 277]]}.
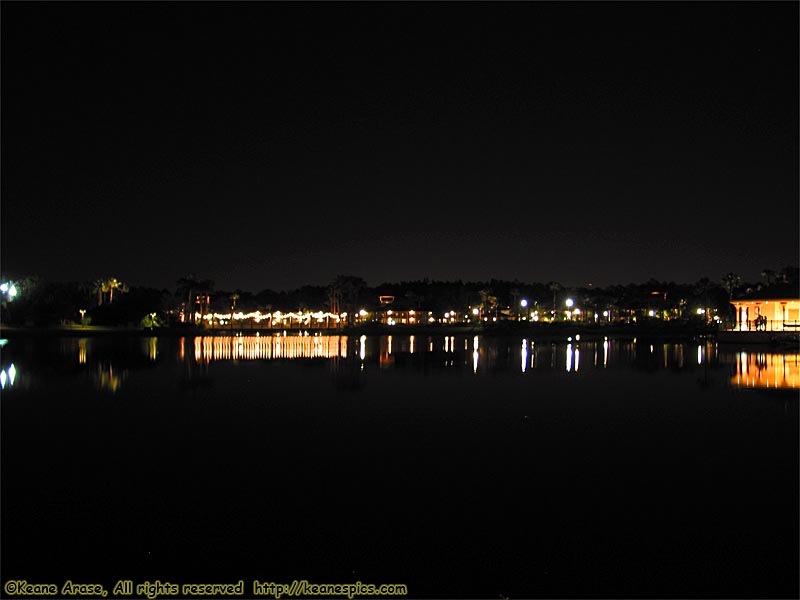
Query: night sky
{"points": [[265, 145]]}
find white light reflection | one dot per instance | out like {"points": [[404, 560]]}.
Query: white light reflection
{"points": [[3, 379], [605, 353], [475, 354], [524, 355], [577, 357], [411, 341], [569, 357], [362, 353], [12, 373], [699, 355]]}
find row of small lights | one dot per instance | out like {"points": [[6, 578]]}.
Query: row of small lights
{"points": [[451, 315], [10, 290], [277, 317]]}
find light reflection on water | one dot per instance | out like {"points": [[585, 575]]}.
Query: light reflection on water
{"points": [[213, 348], [110, 365], [592, 445], [767, 370]]}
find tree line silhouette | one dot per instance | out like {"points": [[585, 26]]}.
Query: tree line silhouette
{"points": [[109, 301]]}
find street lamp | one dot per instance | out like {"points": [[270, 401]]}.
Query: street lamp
{"points": [[9, 289]]}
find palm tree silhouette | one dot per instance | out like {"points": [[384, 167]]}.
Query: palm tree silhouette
{"points": [[730, 282], [554, 287]]}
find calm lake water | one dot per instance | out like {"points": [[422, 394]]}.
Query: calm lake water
{"points": [[459, 466]]}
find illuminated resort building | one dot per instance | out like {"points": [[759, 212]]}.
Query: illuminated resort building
{"points": [[765, 311]]}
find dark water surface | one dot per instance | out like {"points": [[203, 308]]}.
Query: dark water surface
{"points": [[459, 466]]}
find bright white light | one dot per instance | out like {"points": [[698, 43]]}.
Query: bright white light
{"points": [[605, 313], [12, 373], [570, 302], [362, 312], [363, 347], [4, 287], [12, 291], [523, 303], [447, 315], [524, 355], [701, 311], [476, 311], [3, 379], [577, 311], [652, 313]]}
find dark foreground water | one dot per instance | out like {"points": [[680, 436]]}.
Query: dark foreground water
{"points": [[459, 466]]}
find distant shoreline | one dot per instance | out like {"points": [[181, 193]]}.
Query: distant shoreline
{"points": [[539, 330]]}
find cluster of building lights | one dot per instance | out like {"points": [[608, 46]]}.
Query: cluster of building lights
{"points": [[276, 318], [569, 312]]}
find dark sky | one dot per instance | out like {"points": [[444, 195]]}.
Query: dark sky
{"points": [[266, 145]]}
